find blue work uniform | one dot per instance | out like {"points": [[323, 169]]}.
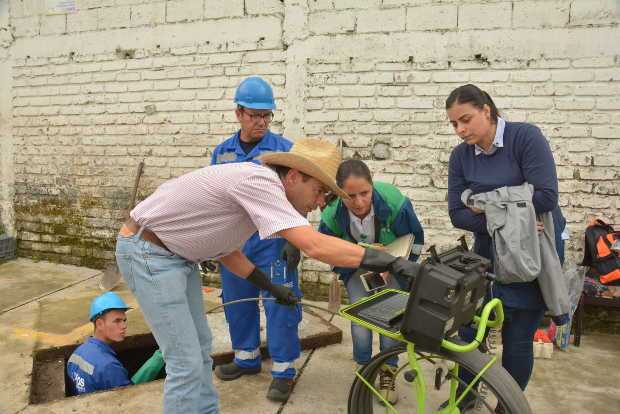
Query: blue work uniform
{"points": [[244, 319], [94, 366]]}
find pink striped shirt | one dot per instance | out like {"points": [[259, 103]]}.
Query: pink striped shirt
{"points": [[212, 211]]}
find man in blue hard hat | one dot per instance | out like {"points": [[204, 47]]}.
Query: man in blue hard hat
{"points": [[94, 366], [275, 257]]}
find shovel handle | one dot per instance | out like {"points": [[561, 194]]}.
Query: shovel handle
{"points": [[132, 200], [134, 192]]}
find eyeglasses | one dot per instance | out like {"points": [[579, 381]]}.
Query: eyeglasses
{"points": [[324, 192], [255, 117]]}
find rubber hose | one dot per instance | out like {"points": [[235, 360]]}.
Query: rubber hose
{"points": [[360, 396]]}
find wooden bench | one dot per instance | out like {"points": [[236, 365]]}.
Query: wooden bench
{"points": [[591, 301]]}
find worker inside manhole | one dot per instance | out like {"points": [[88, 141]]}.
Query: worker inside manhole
{"points": [[50, 381], [94, 365], [106, 360]]}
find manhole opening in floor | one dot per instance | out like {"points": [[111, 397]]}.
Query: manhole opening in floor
{"points": [[49, 370], [50, 381]]}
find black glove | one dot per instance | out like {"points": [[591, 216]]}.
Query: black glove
{"points": [[378, 261], [283, 295], [406, 268], [291, 255]]}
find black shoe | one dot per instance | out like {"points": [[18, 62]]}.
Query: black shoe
{"points": [[280, 389], [232, 371]]}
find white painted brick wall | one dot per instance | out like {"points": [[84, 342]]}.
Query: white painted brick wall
{"points": [[403, 2], [215, 9], [264, 6], [148, 14], [537, 14], [184, 10], [83, 20], [356, 4], [94, 92], [594, 12], [485, 15], [51, 25], [25, 26], [331, 22], [389, 20], [432, 17], [114, 17]]}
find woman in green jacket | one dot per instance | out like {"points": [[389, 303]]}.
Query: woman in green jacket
{"points": [[377, 212]]}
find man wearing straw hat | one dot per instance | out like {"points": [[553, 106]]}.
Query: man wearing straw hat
{"points": [[208, 214]]}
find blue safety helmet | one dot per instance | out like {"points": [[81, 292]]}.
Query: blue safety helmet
{"points": [[255, 93], [103, 303]]}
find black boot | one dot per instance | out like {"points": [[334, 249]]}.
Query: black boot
{"points": [[232, 371], [280, 389]]}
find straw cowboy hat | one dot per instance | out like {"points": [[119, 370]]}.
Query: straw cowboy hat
{"points": [[314, 157]]}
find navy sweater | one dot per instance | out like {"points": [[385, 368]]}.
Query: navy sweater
{"points": [[525, 156]]}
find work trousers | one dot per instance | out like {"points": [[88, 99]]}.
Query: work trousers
{"points": [[282, 324]]}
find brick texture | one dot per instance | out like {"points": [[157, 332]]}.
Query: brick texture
{"points": [[371, 74]]}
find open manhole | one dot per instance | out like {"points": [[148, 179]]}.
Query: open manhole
{"points": [[49, 373], [50, 381]]}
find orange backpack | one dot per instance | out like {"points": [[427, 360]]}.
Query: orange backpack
{"points": [[603, 261]]}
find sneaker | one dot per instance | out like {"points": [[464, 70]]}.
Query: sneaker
{"points": [[232, 371], [280, 389], [387, 384]]}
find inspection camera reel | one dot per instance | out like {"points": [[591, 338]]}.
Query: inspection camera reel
{"points": [[445, 295]]}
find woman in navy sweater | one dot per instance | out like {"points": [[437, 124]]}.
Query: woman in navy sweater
{"points": [[496, 153]]}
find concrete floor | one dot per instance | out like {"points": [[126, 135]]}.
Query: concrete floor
{"points": [[46, 306]]}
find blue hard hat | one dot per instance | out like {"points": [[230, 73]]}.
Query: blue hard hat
{"points": [[255, 93], [104, 303]]}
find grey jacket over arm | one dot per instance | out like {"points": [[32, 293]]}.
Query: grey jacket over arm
{"points": [[522, 254]]}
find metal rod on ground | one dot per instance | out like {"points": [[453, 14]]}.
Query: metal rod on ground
{"points": [[257, 299]]}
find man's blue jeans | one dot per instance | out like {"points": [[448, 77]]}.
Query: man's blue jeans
{"points": [[362, 337], [169, 291]]}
